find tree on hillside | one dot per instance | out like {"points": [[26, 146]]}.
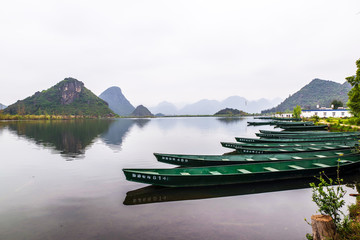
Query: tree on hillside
{"points": [[337, 104], [297, 111], [354, 93]]}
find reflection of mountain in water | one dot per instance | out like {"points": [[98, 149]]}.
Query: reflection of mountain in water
{"points": [[156, 194], [230, 120], [119, 129], [70, 138]]}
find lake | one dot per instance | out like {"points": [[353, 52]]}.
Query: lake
{"points": [[64, 180]]}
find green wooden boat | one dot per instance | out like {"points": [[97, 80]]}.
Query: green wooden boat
{"points": [[187, 160], [290, 144], [251, 150], [298, 132], [305, 128], [307, 136], [287, 119], [261, 123], [294, 124], [289, 140], [156, 194], [245, 173]]}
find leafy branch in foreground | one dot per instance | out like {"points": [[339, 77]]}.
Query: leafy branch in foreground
{"points": [[328, 196]]}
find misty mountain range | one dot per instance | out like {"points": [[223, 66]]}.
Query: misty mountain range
{"points": [[209, 107], [122, 106]]}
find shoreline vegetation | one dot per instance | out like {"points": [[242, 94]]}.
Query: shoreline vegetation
{"points": [[335, 124], [69, 117]]}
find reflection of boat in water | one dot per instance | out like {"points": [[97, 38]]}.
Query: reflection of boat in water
{"points": [[156, 194]]}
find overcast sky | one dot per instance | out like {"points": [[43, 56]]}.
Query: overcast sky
{"points": [[178, 51]]}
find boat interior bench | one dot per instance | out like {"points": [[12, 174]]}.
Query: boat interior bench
{"points": [[321, 165], [271, 169]]}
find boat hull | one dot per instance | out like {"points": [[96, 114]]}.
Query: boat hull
{"points": [[293, 140], [186, 160], [235, 174]]}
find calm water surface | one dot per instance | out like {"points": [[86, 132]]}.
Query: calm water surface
{"points": [[64, 180]]}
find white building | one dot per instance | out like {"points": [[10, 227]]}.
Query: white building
{"points": [[284, 115], [326, 112]]}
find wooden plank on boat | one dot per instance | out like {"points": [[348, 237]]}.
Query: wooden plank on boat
{"points": [[321, 165], [244, 171], [296, 167], [271, 169]]}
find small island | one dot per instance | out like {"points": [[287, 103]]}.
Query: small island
{"points": [[231, 112]]}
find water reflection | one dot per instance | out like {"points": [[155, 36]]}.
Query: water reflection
{"points": [[69, 138], [119, 129], [157, 194], [230, 120]]}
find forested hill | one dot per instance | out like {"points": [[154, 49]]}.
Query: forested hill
{"points": [[68, 97], [231, 111], [317, 92]]}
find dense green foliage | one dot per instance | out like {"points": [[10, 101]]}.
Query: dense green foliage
{"points": [[337, 104], [297, 112], [231, 111], [354, 93], [317, 92], [49, 102], [329, 198]]}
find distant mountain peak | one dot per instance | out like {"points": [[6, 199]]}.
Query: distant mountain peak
{"points": [[317, 92], [141, 111], [117, 101], [67, 97]]}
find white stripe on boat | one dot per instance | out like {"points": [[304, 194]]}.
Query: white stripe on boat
{"points": [[244, 171], [215, 173], [345, 161], [321, 165], [146, 172], [249, 159], [328, 147], [299, 149], [283, 150], [271, 169], [298, 145], [320, 156], [297, 157], [185, 173], [312, 148], [296, 167], [273, 159], [225, 159]]}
